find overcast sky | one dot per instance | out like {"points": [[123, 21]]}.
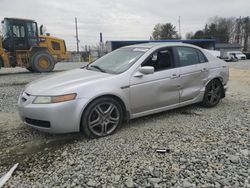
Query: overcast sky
{"points": [[119, 19]]}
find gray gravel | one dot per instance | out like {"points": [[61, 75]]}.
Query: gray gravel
{"points": [[206, 147]]}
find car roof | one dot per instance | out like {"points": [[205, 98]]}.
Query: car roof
{"points": [[160, 44]]}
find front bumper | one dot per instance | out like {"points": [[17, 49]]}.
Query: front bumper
{"points": [[61, 117]]}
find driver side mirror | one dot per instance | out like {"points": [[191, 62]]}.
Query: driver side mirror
{"points": [[147, 70]]}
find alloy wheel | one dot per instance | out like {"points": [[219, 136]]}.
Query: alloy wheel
{"points": [[103, 119], [214, 93]]}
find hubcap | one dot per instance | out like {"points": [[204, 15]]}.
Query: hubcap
{"points": [[44, 63], [214, 93], [103, 119]]}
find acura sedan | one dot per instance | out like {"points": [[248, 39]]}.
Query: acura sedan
{"points": [[128, 83]]}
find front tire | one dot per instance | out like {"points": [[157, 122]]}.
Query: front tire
{"points": [[102, 118], [42, 61], [213, 93]]}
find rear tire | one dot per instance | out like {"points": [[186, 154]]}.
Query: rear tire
{"points": [[101, 118], [42, 61], [213, 93]]}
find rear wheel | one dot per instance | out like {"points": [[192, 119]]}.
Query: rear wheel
{"points": [[42, 61], [102, 117], [213, 93]]}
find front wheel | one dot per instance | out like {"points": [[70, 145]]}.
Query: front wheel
{"points": [[42, 61], [213, 93], [102, 118]]}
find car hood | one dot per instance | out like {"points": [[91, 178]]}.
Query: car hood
{"points": [[64, 83]]}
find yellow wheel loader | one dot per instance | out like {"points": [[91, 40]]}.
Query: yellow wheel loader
{"points": [[22, 46]]}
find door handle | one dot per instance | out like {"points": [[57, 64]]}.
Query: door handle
{"points": [[174, 76], [204, 70]]}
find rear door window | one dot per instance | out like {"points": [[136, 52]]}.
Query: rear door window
{"points": [[190, 56]]}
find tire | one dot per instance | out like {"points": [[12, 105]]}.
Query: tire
{"points": [[213, 93], [42, 61], [101, 118]]}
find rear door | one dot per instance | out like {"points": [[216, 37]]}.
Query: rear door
{"points": [[193, 72]]}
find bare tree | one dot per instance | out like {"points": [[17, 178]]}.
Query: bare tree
{"points": [[246, 30], [189, 35]]}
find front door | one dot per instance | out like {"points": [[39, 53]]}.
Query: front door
{"points": [[157, 90]]}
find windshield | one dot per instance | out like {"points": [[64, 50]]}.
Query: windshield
{"points": [[118, 61], [17, 29]]}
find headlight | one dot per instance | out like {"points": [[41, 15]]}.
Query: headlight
{"points": [[54, 99]]}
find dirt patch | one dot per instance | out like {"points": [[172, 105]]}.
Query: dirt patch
{"points": [[13, 84], [8, 121], [239, 84], [23, 152], [239, 75]]}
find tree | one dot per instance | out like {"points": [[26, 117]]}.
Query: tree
{"points": [[217, 28], [198, 35], [246, 30], [226, 30], [164, 31], [189, 35]]}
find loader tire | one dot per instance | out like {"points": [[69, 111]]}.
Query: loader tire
{"points": [[42, 61]]}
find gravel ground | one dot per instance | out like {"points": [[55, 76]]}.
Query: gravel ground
{"points": [[205, 147]]}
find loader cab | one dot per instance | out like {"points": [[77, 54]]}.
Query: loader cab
{"points": [[19, 34]]}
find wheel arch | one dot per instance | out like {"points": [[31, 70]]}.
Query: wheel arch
{"points": [[117, 98], [220, 79], [35, 49]]}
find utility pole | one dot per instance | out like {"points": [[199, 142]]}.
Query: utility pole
{"points": [[101, 45], [179, 20], [77, 40]]}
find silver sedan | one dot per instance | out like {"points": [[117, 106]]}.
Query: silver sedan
{"points": [[128, 83]]}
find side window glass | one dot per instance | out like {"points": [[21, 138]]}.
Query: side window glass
{"points": [[55, 45], [160, 60], [16, 32], [22, 31], [188, 56]]}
